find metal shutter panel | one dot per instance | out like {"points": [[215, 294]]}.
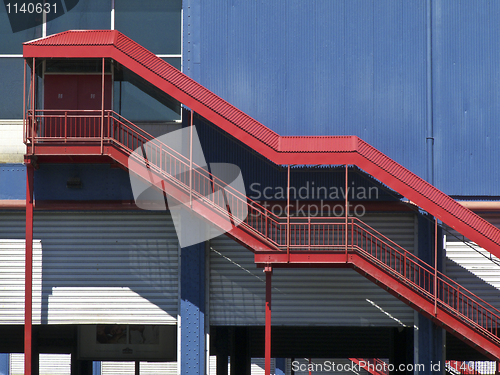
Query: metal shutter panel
{"points": [[314, 296], [98, 267]]}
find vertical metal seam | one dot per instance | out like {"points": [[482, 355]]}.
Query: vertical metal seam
{"points": [[430, 122]]}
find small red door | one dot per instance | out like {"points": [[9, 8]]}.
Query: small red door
{"points": [[67, 97]]}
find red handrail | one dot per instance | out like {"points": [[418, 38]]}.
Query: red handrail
{"points": [[306, 233]]}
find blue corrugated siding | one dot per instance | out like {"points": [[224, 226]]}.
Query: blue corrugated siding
{"points": [[12, 181], [320, 67], [266, 181], [466, 80], [99, 182], [359, 67]]}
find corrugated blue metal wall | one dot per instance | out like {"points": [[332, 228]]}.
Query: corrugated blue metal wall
{"points": [[266, 181], [466, 81], [323, 67], [359, 67]]}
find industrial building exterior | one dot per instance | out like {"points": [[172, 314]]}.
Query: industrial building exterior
{"points": [[248, 187]]}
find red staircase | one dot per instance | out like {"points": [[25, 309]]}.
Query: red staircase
{"points": [[294, 241], [274, 240], [282, 150]]}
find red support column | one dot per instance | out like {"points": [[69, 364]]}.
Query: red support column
{"points": [[24, 103], [267, 365], [346, 212], [28, 279], [288, 215], [102, 109], [33, 108], [191, 161], [435, 264]]}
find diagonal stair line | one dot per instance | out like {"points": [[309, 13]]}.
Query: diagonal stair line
{"points": [[283, 150], [367, 251]]}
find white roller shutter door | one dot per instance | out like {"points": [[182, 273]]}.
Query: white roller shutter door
{"points": [[473, 267]]}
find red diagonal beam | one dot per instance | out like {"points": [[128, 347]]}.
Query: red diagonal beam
{"points": [[280, 150]]}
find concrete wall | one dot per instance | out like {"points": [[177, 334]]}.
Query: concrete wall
{"points": [[12, 148]]}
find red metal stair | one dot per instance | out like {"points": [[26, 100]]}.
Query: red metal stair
{"points": [[328, 150], [293, 241], [50, 135]]}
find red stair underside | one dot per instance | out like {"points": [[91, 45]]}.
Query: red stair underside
{"points": [[302, 241]]}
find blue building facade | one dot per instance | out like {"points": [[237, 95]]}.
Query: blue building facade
{"points": [[417, 79]]}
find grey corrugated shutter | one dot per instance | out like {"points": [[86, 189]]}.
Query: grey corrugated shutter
{"points": [[98, 267], [307, 296], [473, 267]]}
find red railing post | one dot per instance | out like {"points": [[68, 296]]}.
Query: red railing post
{"points": [[288, 216], [267, 365], [161, 158], [25, 140], [265, 222], [404, 265], [65, 126], [309, 232], [28, 273], [435, 264], [191, 162], [108, 132], [346, 214], [33, 127], [102, 109]]}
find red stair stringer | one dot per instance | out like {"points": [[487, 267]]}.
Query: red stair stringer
{"points": [[204, 209], [449, 320], [280, 150]]}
